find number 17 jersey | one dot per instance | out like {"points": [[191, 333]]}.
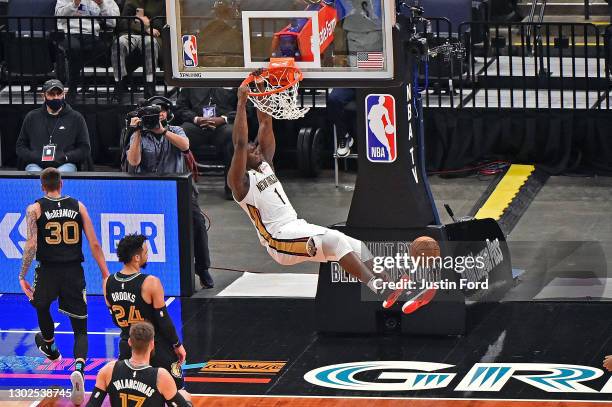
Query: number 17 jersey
{"points": [[266, 203]]}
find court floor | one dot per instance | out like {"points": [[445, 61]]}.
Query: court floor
{"points": [[542, 345], [265, 347]]}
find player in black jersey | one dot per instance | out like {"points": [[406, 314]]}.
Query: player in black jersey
{"points": [[132, 297], [133, 382], [54, 236]]}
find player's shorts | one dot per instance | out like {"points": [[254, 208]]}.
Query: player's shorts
{"points": [[299, 241], [62, 282], [163, 356]]}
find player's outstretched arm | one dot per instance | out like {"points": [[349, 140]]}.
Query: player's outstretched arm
{"points": [[236, 175], [154, 290], [94, 245], [167, 388], [265, 136], [102, 380], [29, 251]]}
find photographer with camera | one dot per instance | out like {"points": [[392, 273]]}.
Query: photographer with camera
{"points": [[156, 147], [159, 148]]}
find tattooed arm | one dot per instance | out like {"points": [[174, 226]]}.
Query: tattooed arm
{"points": [[29, 252]]}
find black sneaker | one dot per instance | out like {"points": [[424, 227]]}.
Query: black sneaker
{"points": [[206, 281], [50, 351], [344, 146]]}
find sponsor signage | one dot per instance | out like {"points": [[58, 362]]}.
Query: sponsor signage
{"points": [[117, 207], [482, 377]]}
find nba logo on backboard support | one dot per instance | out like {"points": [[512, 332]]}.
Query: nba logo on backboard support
{"points": [[380, 128], [190, 51]]}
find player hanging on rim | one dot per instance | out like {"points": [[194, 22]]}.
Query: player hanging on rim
{"points": [[289, 240], [133, 382], [132, 297], [54, 236]]}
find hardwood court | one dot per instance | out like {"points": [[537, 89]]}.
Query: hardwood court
{"points": [[230, 401], [378, 402]]}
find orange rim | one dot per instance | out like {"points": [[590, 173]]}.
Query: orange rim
{"points": [[266, 73]]}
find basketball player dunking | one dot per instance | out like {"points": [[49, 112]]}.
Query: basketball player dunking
{"points": [[133, 297], [55, 227], [288, 239], [133, 382]]}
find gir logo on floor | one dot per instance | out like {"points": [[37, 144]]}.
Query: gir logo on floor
{"points": [[380, 128], [190, 51]]}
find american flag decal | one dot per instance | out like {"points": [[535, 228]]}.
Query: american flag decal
{"points": [[370, 60]]}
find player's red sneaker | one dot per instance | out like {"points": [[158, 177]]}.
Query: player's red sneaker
{"points": [[422, 299], [394, 295]]}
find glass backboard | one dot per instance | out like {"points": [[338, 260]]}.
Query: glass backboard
{"points": [[332, 41]]}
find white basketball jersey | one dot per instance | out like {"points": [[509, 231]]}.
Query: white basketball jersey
{"points": [[266, 203]]}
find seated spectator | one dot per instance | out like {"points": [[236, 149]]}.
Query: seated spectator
{"points": [[53, 135], [207, 116], [145, 10], [82, 36], [30, 8]]}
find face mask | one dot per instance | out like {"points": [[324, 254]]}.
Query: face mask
{"points": [[54, 104], [164, 123]]}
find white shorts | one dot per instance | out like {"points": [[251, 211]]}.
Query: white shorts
{"points": [[300, 241]]}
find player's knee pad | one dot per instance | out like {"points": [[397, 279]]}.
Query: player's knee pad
{"points": [[79, 326], [41, 307], [335, 245]]}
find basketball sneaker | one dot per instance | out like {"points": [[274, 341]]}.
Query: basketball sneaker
{"points": [[419, 301], [394, 295], [344, 146], [49, 350], [78, 388]]}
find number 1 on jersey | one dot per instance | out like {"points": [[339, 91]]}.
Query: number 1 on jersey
{"points": [[280, 196]]}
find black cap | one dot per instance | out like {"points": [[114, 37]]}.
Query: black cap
{"points": [[53, 84]]}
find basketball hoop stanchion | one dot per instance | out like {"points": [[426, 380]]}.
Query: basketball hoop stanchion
{"points": [[275, 90], [392, 205]]}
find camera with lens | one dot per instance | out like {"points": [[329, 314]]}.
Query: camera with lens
{"points": [[148, 115]]}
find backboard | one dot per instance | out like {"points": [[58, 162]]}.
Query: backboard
{"points": [[334, 42]]}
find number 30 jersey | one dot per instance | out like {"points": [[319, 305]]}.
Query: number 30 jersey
{"points": [[59, 231], [124, 295], [266, 203]]}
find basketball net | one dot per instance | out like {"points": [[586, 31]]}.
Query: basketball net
{"points": [[275, 90]]}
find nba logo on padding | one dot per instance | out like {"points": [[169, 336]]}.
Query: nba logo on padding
{"points": [[190, 51], [380, 128]]}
